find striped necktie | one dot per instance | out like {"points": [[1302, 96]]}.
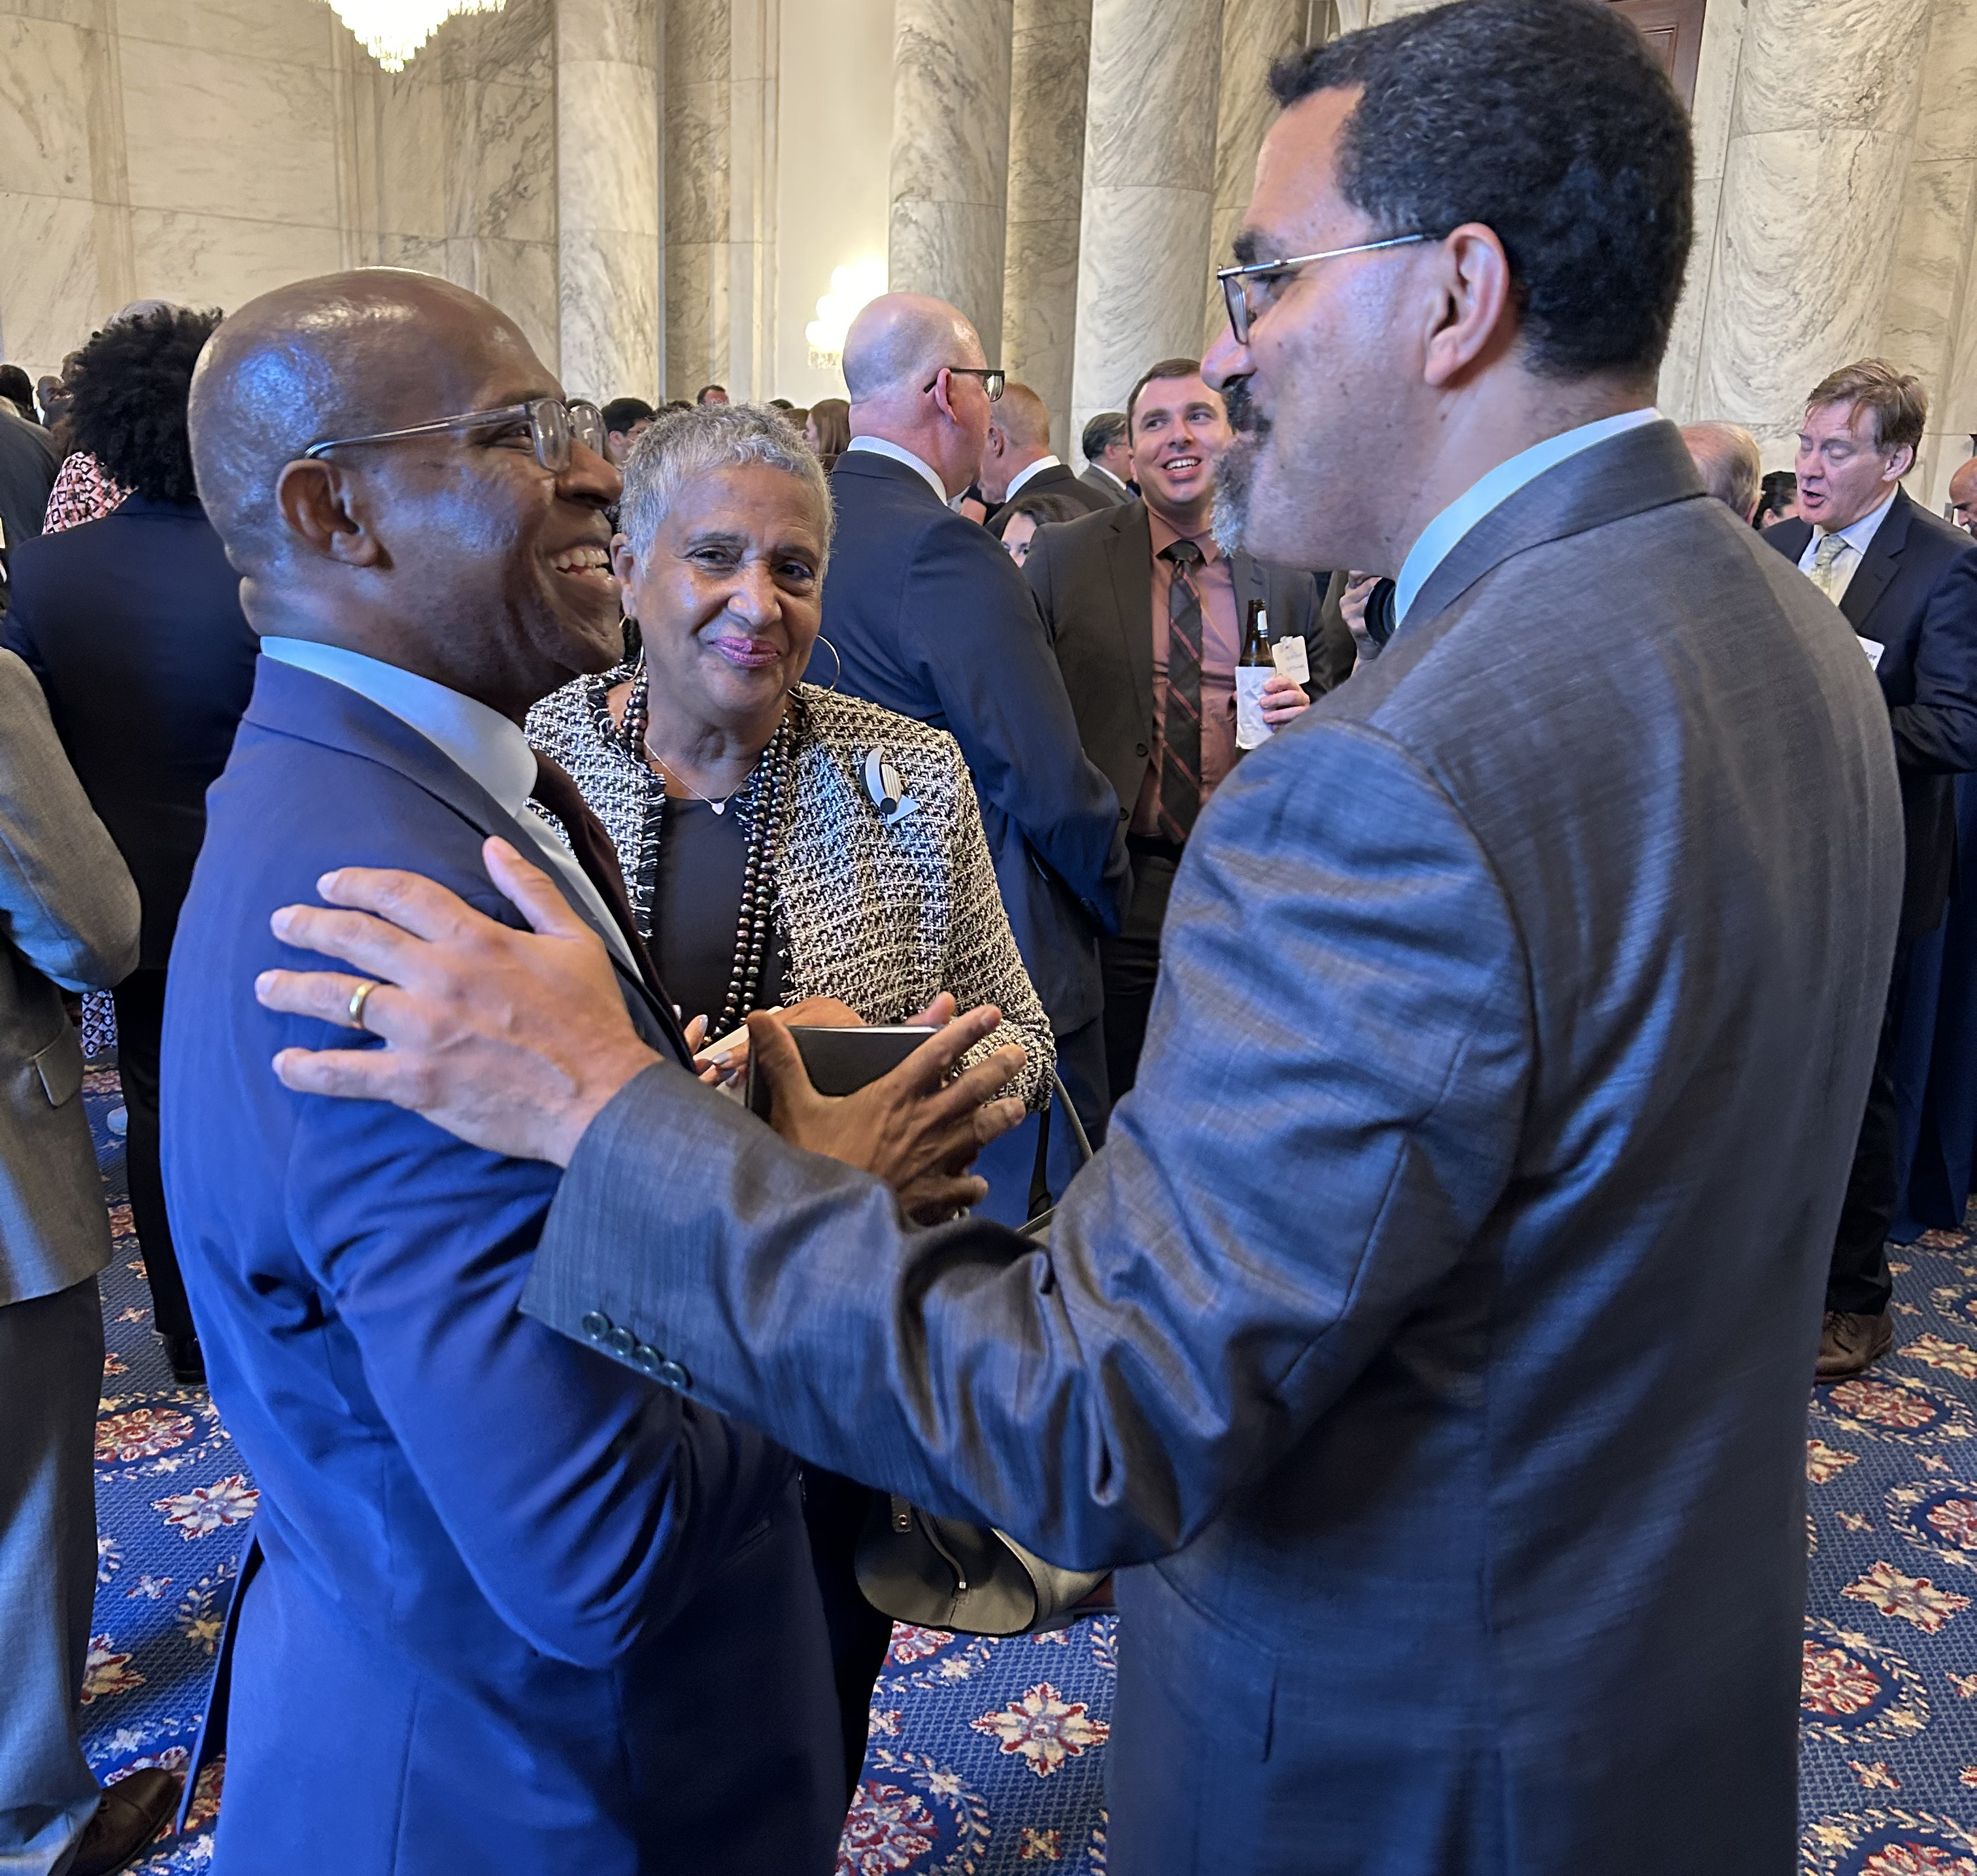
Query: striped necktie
{"points": [[1180, 752]]}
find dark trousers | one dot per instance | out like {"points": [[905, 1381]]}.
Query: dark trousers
{"points": [[1131, 963], [1858, 1282], [834, 1511], [140, 1022], [50, 1374]]}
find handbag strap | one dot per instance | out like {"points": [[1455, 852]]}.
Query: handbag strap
{"points": [[1040, 1191], [1040, 1200]]}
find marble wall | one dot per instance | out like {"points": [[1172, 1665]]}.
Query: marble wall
{"points": [[208, 149], [657, 207], [1255, 34], [1049, 67], [721, 61], [1149, 198], [834, 182], [608, 210], [1930, 321], [1822, 121], [951, 152]]}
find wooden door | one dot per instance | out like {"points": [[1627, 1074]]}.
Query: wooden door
{"points": [[1674, 29]]}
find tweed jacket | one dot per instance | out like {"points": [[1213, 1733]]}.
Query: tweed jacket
{"points": [[68, 916], [882, 918], [1434, 1329]]}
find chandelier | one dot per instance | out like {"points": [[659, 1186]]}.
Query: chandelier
{"points": [[392, 30], [851, 289]]}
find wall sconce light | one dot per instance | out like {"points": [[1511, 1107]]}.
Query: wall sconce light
{"points": [[852, 289]]}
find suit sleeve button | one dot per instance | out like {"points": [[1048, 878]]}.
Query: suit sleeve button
{"points": [[1139, 749], [622, 1342], [649, 1358], [596, 1325], [674, 1375]]}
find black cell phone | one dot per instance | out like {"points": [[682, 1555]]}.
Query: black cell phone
{"points": [[841, 1061]]}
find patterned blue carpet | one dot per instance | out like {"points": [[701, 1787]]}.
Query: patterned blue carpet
{"points": [[988, 1756]]}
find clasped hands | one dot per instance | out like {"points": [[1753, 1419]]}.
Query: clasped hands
{"points": [[515, 1040]]}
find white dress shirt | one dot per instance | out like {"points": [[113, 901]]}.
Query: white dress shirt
{"points": [[1438, 539], [1024, 474], [481, 742], [1856, 535], [884, 446]]}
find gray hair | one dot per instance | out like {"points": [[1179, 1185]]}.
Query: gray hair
{"points": [[1727, 458], [680, 446]]}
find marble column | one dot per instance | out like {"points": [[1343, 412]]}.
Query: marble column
{"points": [[951, 153], [1255, 34], [1710, 117], [697, 64], [1824, 115], [1149, 192], [608, 196], [1930, 324], [720, 193], [1049, 59]]}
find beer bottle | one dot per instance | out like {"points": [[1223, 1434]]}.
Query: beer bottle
{"points": [[1254, 666]]}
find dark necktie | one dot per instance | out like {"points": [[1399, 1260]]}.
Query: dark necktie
{"points": [[589, 841], [1180, 752]]}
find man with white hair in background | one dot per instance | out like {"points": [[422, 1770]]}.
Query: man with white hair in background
{"points": [[1727, 458], [929, 617]]}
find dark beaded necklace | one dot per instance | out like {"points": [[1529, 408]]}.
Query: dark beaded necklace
{"points": [[760, 801]]}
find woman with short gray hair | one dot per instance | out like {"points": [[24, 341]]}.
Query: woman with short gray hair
{"points": [[851, 878]]}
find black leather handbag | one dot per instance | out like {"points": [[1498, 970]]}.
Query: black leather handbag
{"points": [[947, 1573]]}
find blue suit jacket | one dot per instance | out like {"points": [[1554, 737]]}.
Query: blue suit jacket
{"points": [[1915, 594], [930, 618], [133, 626], [1435, 1328], [517, 1608]]}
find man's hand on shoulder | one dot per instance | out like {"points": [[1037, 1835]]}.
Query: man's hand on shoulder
{"points": [[512, 1040]]}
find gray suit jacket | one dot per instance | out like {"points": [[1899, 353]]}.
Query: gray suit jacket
{"points": [[68, 913], [1113, 490], [1435, 1326]]}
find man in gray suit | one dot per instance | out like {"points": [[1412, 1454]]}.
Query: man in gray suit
{"points": [[1108, 456], [1432, 1332], [68, 912]]}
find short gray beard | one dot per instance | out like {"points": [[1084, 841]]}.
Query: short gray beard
{"points": [[1235, 477]]}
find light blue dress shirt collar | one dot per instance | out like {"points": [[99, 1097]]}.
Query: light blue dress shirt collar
{"points": [[884, 445], [480, 741], [1439, 538], [1858, 535]]}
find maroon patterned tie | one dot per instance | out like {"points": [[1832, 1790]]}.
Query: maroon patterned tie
{"points": [[589, 841], [1180, 751]]}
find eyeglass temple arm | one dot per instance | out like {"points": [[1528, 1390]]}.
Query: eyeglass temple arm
{"points": [[381, 436]]}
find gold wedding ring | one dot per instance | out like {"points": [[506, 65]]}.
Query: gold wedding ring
{"points": [[358, 998]]}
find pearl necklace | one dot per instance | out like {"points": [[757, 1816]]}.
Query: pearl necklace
{"points": [[761, 796]]}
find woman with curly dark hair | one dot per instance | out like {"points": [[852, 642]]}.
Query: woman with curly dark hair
{"points": [[133, 623]]}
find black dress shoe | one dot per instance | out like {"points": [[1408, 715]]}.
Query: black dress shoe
{"points": [[130, 1813], [188, 1362]]}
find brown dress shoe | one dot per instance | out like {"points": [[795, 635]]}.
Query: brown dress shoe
{"points": [[132, 1812], [1849, 1344]]}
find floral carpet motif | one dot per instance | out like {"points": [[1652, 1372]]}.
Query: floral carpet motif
{"points": [[987, 1758]]}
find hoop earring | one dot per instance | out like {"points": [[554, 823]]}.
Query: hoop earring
{"points": [[835, 675]]}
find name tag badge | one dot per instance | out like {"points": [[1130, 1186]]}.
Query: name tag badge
{"points": [[1291, 660], [1874, 650]]}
